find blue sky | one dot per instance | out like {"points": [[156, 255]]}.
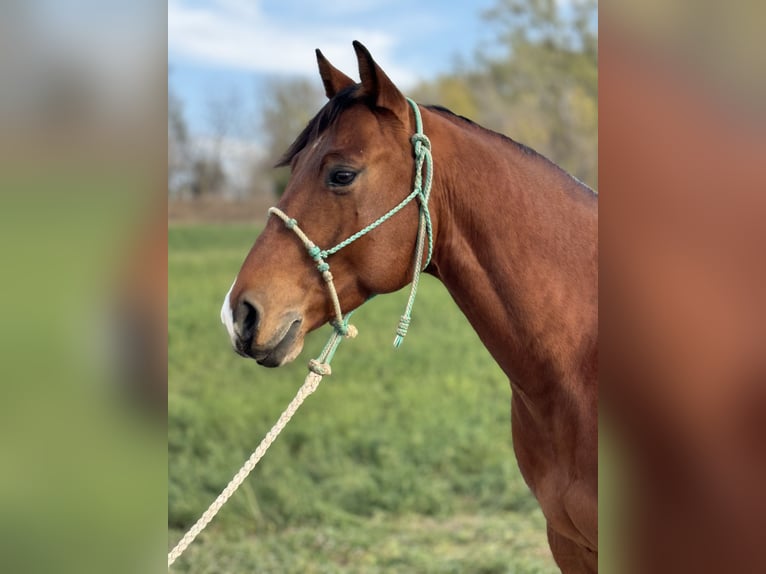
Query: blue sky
{"points": [[220, 47]]}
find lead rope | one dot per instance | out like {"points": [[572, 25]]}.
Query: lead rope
{"points": [[320, 366]]}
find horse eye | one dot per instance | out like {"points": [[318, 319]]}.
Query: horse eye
{"points": [[342, 177]]}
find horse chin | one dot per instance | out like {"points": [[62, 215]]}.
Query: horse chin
{"points": [[294, 352], [285, 351], [279, 356]]}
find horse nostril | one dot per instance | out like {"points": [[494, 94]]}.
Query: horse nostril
{"points": [[246, 321]]}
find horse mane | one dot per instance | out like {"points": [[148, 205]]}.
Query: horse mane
{"points": [[447, 112], [351, 95], [344, 100], [518, 145]]}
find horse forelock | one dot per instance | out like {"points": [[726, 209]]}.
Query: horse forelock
{"points": [[324, 118]]}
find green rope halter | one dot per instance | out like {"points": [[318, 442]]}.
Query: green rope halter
{"points": [[422, 191]]}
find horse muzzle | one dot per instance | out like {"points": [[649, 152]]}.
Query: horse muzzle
{"points": [[270, 342]]}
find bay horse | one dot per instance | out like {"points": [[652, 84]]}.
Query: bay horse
{"points": [[514, 240]]}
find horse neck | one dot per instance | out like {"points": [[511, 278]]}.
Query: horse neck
{"points": [[516, 246]]}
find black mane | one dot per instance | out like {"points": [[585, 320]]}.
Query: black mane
{"points": [[348, 97], [520, 146], [445, 111]]}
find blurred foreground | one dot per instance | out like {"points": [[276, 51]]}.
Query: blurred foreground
{"points": [[82, 241], [683, 284]]}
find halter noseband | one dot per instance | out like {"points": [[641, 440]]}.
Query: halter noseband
{"points": [[421, 190]]}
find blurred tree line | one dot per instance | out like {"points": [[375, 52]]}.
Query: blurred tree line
{"points": [[537, 83], [196, 166]]}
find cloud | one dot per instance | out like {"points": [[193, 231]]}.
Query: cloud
{"points": [[239, 35]]}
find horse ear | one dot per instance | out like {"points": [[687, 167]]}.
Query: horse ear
{"points": [[333, 79], [377, 85]]}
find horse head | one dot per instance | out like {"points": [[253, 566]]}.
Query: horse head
{"points": [[351, 164]]}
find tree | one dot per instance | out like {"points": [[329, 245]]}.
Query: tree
{"points": [[179, 157], [225, 117], [539, 83], [208, 177], [547, 79], [288, 106]]}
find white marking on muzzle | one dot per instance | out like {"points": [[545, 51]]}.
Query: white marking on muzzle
{"points": [[227, 317]]}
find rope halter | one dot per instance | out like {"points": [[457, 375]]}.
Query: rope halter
{"points": [[422, 191]]}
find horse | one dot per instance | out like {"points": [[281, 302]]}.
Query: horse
{"points": [[513, 237]]}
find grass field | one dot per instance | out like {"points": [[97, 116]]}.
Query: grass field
{"points": [[400, 462]]}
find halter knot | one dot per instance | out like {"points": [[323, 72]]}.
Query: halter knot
{"points": [[403, 326], [291, 223], [321, 369], [351, 332], [344, 330], [401, 329], [314, 252], [323, 266], [420, 140]]}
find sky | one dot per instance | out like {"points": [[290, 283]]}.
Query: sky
{"points": [[217, 48]]}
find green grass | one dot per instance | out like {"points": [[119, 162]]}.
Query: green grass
{"points": [[400, 462]]}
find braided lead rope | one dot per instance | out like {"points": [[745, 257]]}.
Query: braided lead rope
{"points": [[309, 386], [320, 366]]}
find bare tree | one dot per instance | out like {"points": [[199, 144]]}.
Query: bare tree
{"points": [[288, 105], [225, 116], [538, 83], [179, 153], [208, 177], [546, 82]]}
